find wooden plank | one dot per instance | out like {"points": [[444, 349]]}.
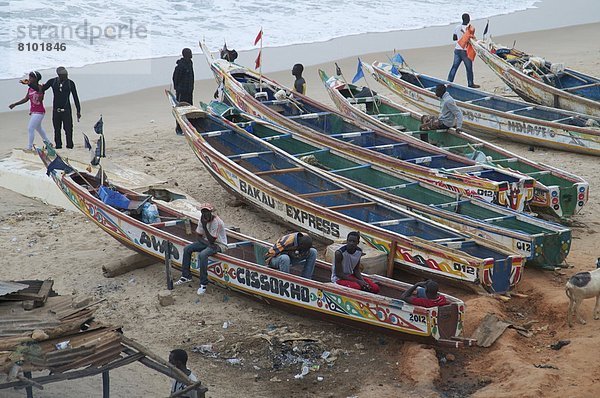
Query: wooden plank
{"points": [[322, 193], [390, 259], [279, 171], [351, 205], [582, 86]]}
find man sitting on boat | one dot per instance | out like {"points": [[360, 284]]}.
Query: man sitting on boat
{"points": [[345, 269], [450, 114], [293, 249], [431, 297], [211, 239]]}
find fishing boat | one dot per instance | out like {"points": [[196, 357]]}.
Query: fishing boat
{"points": [[539, 81], [259, 95], [556, 192], [305, 197], [242, 269], [543, 244], [493, 114]]}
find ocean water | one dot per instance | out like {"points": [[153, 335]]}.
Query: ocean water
{"points": [[38, 34]]}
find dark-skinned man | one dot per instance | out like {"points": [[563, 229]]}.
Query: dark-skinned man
{"points": [[345, 269], [62, 115]]}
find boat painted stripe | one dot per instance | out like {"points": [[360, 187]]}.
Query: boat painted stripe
{"points": [[362, 166], [353, 134]]}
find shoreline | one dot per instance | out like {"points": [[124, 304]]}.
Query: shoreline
{"points": [[134, 75]]}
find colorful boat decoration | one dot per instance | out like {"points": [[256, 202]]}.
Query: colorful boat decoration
{"points": [[544, 244], [493, 114], [556, 192], [307, 198], [542, 82], [241, 268], [256, 94]]}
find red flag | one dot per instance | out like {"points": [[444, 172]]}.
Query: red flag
{"points": [[257, 61], [258, 37]]}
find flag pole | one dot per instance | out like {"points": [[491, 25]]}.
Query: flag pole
{"points": [[260, 60], [370, 90], [338, 69]]}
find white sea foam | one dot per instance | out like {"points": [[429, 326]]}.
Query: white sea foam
{"points": [[90, 32]]}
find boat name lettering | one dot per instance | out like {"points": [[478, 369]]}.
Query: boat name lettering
{"points": [[273, 285], [525, 246], [530, 129], [465, 269], [469, 115], [157, 244], [316, 222], [417, 318], [485, 192], [256, 193]]}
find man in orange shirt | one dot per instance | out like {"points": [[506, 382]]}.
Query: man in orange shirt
{"points": [[460, 53]]}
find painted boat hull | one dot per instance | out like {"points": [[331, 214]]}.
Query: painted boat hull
{"points": [[441, 325], [527, 130], [556, 191], [535, 90]]}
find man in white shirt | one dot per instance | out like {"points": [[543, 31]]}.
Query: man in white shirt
{"points": [[460, 54], [178, 358], [212, 238]]}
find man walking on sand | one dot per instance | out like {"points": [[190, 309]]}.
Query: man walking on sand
{"points": [[62, 116], [183, 80], [460, 53]]}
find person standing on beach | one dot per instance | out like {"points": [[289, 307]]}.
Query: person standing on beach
{"points": [[62, 116], [212, 238], [179, 358], [35, 96], [183, 80], [460, 53], [299, 83]]}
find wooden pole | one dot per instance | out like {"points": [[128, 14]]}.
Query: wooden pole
{"points": [[28, 389], [168, 266], [105, 384], [196, 386], [390, 259]]}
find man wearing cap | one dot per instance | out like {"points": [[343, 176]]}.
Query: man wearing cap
{"points": [[62, 88], [212, 238]]}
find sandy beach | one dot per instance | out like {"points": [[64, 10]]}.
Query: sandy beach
{"points": [[39, 241]]}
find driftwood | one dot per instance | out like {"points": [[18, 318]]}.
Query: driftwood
{"points": [[127, 264]]}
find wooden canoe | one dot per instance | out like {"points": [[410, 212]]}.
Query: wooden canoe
{"points": [[544, 244], [305, 197], [556, 192], [495, 115], [397, 152], [542, 82], [241, 268]]}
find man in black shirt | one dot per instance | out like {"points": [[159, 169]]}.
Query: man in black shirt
{"points": [[183, 80], [62, 88]]}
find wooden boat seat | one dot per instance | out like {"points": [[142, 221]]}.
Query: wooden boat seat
{"points": [[386, 146], [233, 245], [539, 173], [279, 171], [351, 205], [385, 223], [507, 160], [248, 155], [477, 100], [360, 100], [477, 145], [312, 152], [215, 133], [582, 87], [352, 134], [276, 137], [449, 204], [276, 102], [322, 193], [315, 115], [527, 108], [362, 166], [562, 120], [400, 186], [492, 219], [424, 159], [446, 240], [388, 115]]}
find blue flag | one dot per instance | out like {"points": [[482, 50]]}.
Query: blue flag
{"points": [[99, 126], [397, 59], [86, 143], [359, 72], [395, 70], [58, 164]]}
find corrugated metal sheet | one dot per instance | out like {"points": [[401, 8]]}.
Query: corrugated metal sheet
{"points": [[10, 287]]}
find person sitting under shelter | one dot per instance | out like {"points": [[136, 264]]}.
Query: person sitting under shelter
{"points": [[450, 114], [293, 249], [431, 296], [345, 269]]}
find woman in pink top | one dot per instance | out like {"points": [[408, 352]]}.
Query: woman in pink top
{"points": [[35, 96]]}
